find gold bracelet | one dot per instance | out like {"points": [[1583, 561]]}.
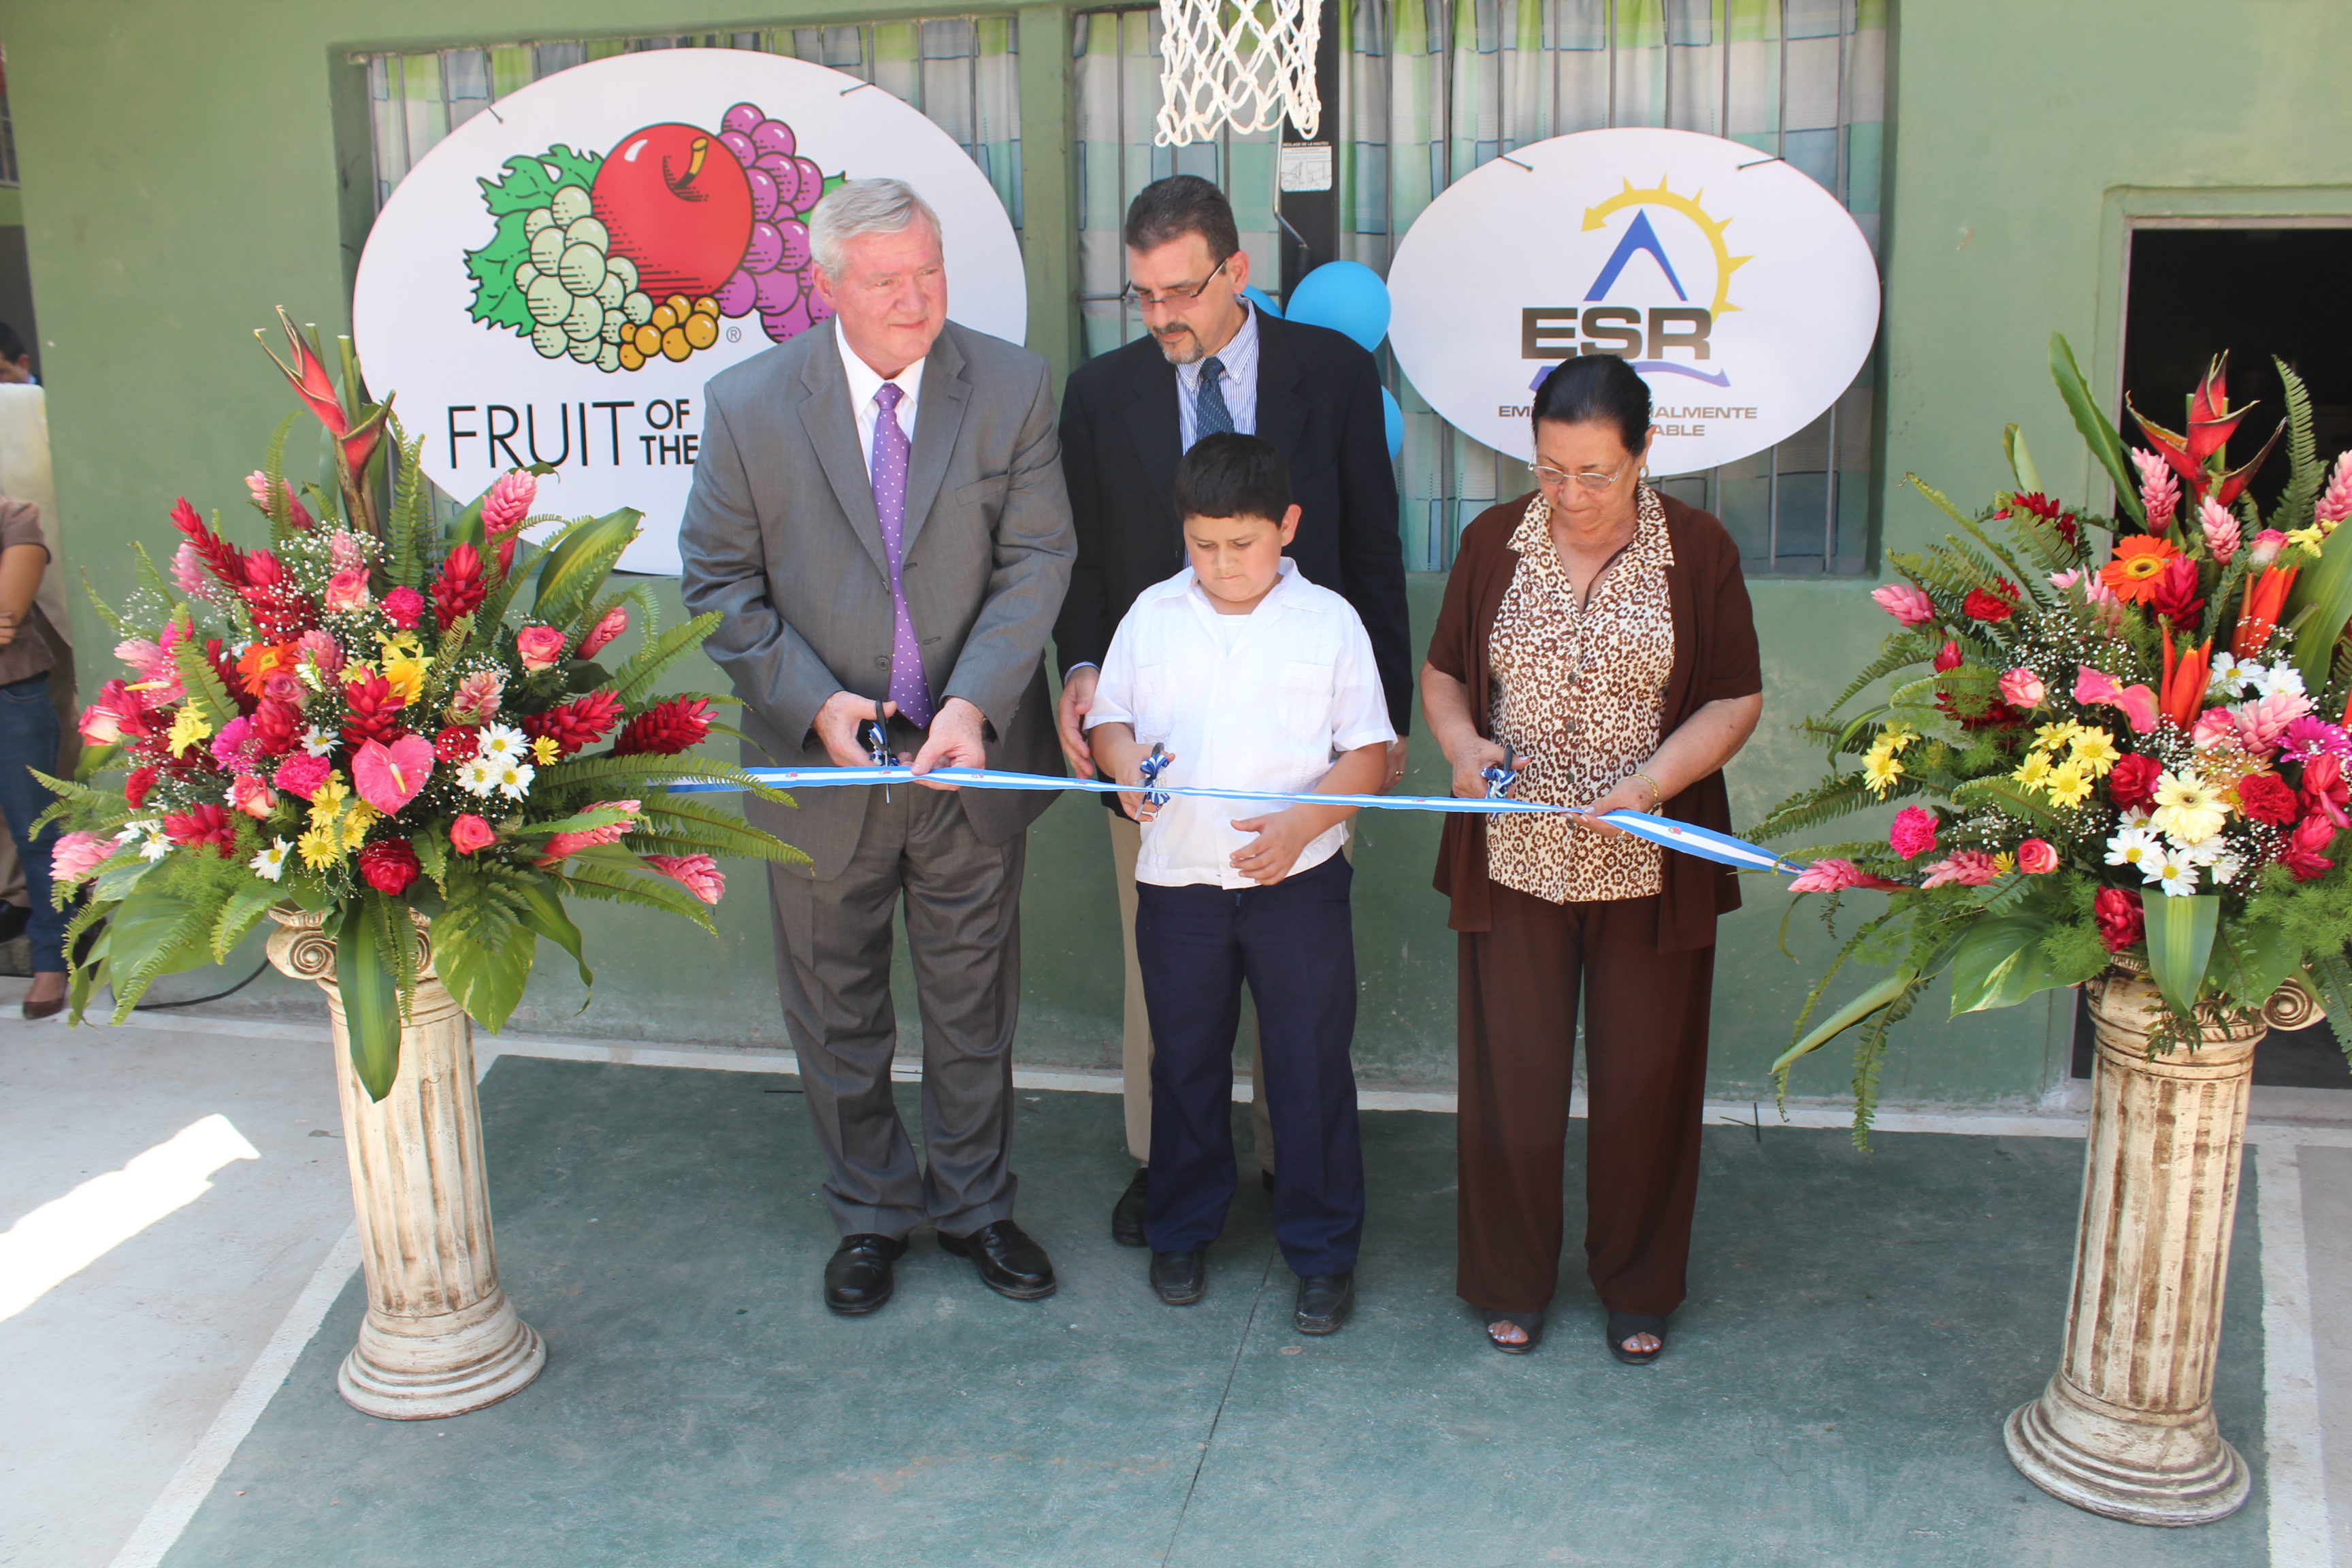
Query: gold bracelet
{"points": [[1657, 796]]}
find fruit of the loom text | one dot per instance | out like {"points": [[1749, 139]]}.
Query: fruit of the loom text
{"points": [[674, 200]]}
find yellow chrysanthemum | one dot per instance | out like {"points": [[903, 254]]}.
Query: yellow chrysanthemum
{"points": [[2067, 784], [319, 847], [2004, 863], [1879, 771], [544, 751], [328, 799], [2306, 537], [1895, 737], [2094, 752], [2052, 737], [188, 727], [2032, 771], [356, 823]]}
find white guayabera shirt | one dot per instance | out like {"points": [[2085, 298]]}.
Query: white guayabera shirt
{"points": [[1266, 708]]}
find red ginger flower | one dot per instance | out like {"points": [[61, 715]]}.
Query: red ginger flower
{"points": [[459, 590], [504, 508], [277, 726], [2122, 922], [2176, 599], [203, 824], [613, 622], [578, 722], [373, 712], [389, 865], [665, 728], [281, 611], [2300, 852], [227, 563], [457, 744]]}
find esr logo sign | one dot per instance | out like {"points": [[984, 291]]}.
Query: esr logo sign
{"points": [[1738, 289]]}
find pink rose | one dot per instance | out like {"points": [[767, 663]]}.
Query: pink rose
{"points": [[403, 607], [251, 796], [540, 647], [470, 833], [2267, 547], [101, 725], [303, 773], [2036, 857], [347, 591], [285, 689], [697, 873], [1914, 832], [2022, 689], [1905, 603], [77, 855]]}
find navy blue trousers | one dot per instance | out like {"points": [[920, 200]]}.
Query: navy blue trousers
{"points": [[29, 740], [1296, 945]]}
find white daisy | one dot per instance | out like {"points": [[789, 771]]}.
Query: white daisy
{"points": [[2179, 880], [139, 829], [2136, 847], [2281, 679], [2225, 868], [156, 846], [503, 744], [318, 742], [2206, 852], [270, 863], [514, 779], [2137, 816], [478, 777], [2229, 675]]}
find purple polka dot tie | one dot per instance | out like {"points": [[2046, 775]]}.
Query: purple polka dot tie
{"points": [[909, 689]]}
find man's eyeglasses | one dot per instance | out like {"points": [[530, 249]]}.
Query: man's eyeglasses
{"points": [[1180, 295], [1590, 478]]}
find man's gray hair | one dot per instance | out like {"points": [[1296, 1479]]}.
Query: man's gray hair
{"points": [[856, 208]]}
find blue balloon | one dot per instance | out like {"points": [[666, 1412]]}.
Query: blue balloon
{"points": [[1264, 301], [1392, 416], [1347, 297]]}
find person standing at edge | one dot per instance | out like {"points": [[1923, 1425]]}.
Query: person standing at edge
{"points": [[1601, 631], [878, 516], [1212, 362]]}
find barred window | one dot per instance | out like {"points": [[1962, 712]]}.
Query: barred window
{"points": [[1428, 90]]}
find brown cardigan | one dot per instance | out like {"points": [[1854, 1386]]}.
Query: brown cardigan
{"points": [[1714, 656]]}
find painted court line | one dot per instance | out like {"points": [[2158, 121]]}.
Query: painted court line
{"points": [[193, 1480], [2297, 1479]]}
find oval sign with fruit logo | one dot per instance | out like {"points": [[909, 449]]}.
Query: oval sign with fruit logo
{"points": [[556, 279]]}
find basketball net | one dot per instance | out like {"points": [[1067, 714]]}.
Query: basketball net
{"points": [[1246, 65]]}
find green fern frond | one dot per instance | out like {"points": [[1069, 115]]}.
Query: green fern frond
{"points": [[2305, 474], [633, 680], [1903, 648], [1839, 795], [105, 611]]}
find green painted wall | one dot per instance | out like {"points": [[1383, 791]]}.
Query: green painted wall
{"points": [[2022, 135]]}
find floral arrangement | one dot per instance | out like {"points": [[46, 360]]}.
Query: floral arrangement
{"points": [[2138, 758], [343, 720]]}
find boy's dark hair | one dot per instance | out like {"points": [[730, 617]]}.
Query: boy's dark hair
{"points": [[1597, 388], [1231, 475], [12, 347], [1178, 206]]}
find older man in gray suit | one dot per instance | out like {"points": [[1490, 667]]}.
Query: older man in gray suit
{"points": [[878, 515]]}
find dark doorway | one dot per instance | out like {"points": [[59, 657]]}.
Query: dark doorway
{"points": [[2253, 293]]}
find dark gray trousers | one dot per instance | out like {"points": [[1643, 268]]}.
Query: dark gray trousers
{"points": [[962, 900]]}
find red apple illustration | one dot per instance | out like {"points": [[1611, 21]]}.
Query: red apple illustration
{"points": [[674, 200]]}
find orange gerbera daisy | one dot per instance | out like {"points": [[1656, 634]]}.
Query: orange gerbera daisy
{"points": [[2138, 570], [261, 661]]}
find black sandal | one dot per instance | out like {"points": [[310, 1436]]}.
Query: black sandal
{"points": [[1623, 1326], [1528, 1324]]}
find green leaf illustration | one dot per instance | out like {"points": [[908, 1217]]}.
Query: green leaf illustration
{"points": [[528, 182]]}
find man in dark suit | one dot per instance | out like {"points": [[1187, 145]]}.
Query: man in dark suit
{"points": [[1213, 362], [878, 517]]}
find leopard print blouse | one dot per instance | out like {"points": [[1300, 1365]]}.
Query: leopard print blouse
{"points": [[1579, 697]]}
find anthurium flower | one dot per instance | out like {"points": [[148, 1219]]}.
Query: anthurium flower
{"points": [[2138, 567], [2094, 688], [389, 777]]}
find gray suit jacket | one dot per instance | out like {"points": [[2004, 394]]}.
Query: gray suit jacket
{"points": [[780, 537]]}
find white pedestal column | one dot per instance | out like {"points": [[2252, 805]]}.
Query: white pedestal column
{"points": [[2125, 1428], [440, 1338]]}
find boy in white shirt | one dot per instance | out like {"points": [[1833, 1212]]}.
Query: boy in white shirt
{"points": [[1251, 678]]}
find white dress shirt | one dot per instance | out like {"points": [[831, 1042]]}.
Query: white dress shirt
{"points": [[1238, 360], [865, 381], [1297, 687]]}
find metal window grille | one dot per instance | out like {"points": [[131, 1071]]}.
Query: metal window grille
{"points": [[1429, 90], [963, 73]]}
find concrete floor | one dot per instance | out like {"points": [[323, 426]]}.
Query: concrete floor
{"points": [[1856, 1332]]}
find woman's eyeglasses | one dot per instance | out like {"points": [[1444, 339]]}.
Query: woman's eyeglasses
{"points": [[1184, 294], [1590, 478]]}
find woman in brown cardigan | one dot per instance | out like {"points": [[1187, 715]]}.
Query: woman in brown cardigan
{"points": [[1601, 632]]}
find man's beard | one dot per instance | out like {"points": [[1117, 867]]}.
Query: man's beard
{"points": [[1185, 349]]}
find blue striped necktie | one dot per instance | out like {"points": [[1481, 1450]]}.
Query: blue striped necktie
{"points": [[1210, 415]]}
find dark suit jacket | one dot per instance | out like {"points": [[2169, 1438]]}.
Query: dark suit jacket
{"points": [[1318, 400], [780, 538]]}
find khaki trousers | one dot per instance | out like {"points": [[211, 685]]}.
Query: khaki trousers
{"points": [[1135, 1044]]}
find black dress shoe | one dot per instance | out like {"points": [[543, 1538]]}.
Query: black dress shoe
{"points": [[1010, 1263], [1265, 1178], [1180, 1277], [1127, 1214], [857, 1276], [1325, 1300]]}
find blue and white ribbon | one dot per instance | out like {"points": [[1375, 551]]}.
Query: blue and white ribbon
{"points": [[1687, 838]]}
